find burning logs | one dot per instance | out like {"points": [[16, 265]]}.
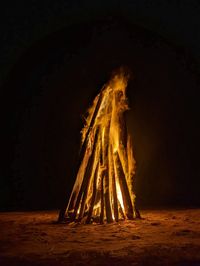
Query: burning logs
{"points": [[103, 188], [82, 195]]}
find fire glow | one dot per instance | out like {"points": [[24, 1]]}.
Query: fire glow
{"points": [[103, 190]]}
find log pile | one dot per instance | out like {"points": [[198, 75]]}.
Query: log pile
{"points": [[103, 190]]}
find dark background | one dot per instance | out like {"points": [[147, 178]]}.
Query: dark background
{"points": [[56, 56]]}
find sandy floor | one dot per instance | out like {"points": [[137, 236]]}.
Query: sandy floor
{"points": [[168, 237]]}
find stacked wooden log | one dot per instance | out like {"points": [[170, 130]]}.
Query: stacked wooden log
{"points": [[103, 190]]}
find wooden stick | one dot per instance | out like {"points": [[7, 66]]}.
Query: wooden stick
{"points": [[105, 151], [102, 198], [69, 206], [124, 188], [131, 172], [94, 193], [107, 198], [89, 175], [121, 210], [123, 131], [121, 118], [85, 192], [77, 185], [112, 177]]}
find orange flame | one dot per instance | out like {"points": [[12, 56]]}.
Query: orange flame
{"points": [[103, 188]]}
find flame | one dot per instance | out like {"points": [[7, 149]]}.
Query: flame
{"points": [[119, 195], [103, 187]]}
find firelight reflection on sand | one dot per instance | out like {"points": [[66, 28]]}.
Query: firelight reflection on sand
{"points": [[103, 190]]}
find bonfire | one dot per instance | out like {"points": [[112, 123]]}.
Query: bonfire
{"points": [[104, 185]]}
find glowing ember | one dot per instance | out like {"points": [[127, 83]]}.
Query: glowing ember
{"points": [[103, 189]]}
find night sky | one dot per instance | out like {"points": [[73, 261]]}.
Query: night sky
{"points": [[56, 56]]}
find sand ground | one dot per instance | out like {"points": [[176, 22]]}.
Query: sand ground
{"points": [[162, 237]]}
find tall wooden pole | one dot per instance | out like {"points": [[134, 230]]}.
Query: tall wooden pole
{"points": [[102, 199], [94, 193], [113, 180], [124, 187], [105, 150]]}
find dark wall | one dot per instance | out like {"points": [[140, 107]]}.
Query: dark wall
{"points": [[54, 82]]}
